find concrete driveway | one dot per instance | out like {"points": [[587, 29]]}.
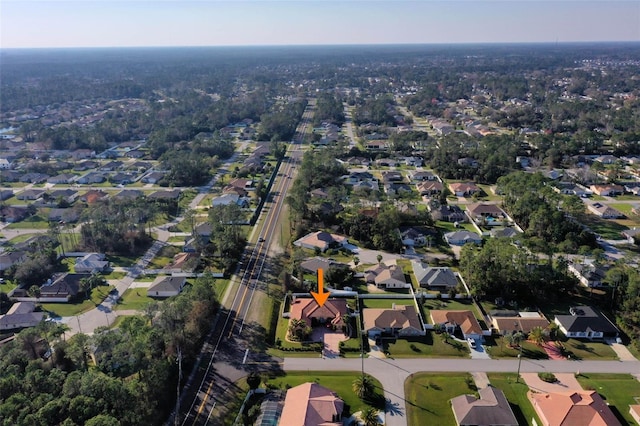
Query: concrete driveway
{"points": [[566, 382], [331, 340]]}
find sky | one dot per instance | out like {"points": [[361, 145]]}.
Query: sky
{"points": [[110, 23]]}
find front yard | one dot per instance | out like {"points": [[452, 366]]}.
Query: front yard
{"points": [[432, 345], [428, 395], [618, 390], [134, 299]]}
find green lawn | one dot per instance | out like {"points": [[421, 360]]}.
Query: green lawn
{"points": [[115, 275], [164, 257], [134, 298], [431, 345], [608, 229], [516, 394], [338, 381], [70, 309], [7, 286], [22, 238], [122, 261], [622, 207], [579, 349], [428, 395], [384, 303], [618, 390], [498, 348], [32, 222]]}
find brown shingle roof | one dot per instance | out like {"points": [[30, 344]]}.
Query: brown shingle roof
{"points": [[491, 409], [307, 309], [464, 319]]}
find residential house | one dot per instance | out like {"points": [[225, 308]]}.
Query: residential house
{"points": [[399, 321], [313, 264], [486, 214], [12, 214], [82, 154], [245, 184], [512, 322], [6, 162], [311, 404], [153, 177], [91, 263], [434, 278], [64, 286], [607, 190], [393, 188], [64, 215], [460, 238], [34, 178], [21, 315], [491, 408], [5, 194], [128, 194], [604, 211], [10, 258], [230, 189], [386, 162], [606, 159], [416, 176], [503, 232], [308, 310], [85, 165], [204, 230], [227, 199], [166, 286], [319, 193], [634, 410], [376, 145], [30, 194], [468, 162], [366, 186], [631, 234], [91, 178], [572, 408], [588, 274], [586, 323], [122, 178], [64, 178], [568, 188], [136, 153], [384, 276], [415, 237], [10, 176], [413, 161], [173, 194], [452, 321], [93, 196], [447, 213], [68, 195], [391, 176], [429, 188], [322, 240], [112, 166], [464, 189]]}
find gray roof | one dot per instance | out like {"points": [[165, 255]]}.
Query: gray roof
{"points": [[586, 319], [168, 284], [433, 276], [491, 409]]}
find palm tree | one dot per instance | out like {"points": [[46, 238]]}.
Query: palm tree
{"points": [[536, 335], [553, 330], [363, 386], [379, 257], [356, 260], [369, 416], [34, 291], [518, 337]]}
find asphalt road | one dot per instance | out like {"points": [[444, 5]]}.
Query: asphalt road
{"points": [[392, 373]]}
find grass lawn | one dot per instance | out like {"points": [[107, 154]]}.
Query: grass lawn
{"points": [[618, 390], [164, 257], [608, 229], [134, 298], [432, 345], [579, 349], [498, 348], [516, 394], [623, 207], [32, 222], [7, 286], [122, 261], [338, 381], [384, 303], [21, 238], [115, 275], [70, 309], [428, 394], [452, 305]]}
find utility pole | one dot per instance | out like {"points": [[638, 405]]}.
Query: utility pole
{"points": [[177, 410]]}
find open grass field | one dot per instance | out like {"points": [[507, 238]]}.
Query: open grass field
{"points": [[618, 390], [71, 309], [427, 397], [607, 229], [338, 381]]}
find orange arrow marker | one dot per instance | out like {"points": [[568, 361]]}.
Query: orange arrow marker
{"points": [[320, 297]]}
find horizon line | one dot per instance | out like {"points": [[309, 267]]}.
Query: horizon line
{"points": [[469, 43]]}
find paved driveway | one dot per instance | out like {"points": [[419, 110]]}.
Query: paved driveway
{"points": [[566, 382], [331, 340]]}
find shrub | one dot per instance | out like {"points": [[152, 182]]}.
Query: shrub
{"points": [[547, 377]]}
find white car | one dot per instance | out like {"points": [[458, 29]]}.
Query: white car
{"points": [[472, 342]]}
